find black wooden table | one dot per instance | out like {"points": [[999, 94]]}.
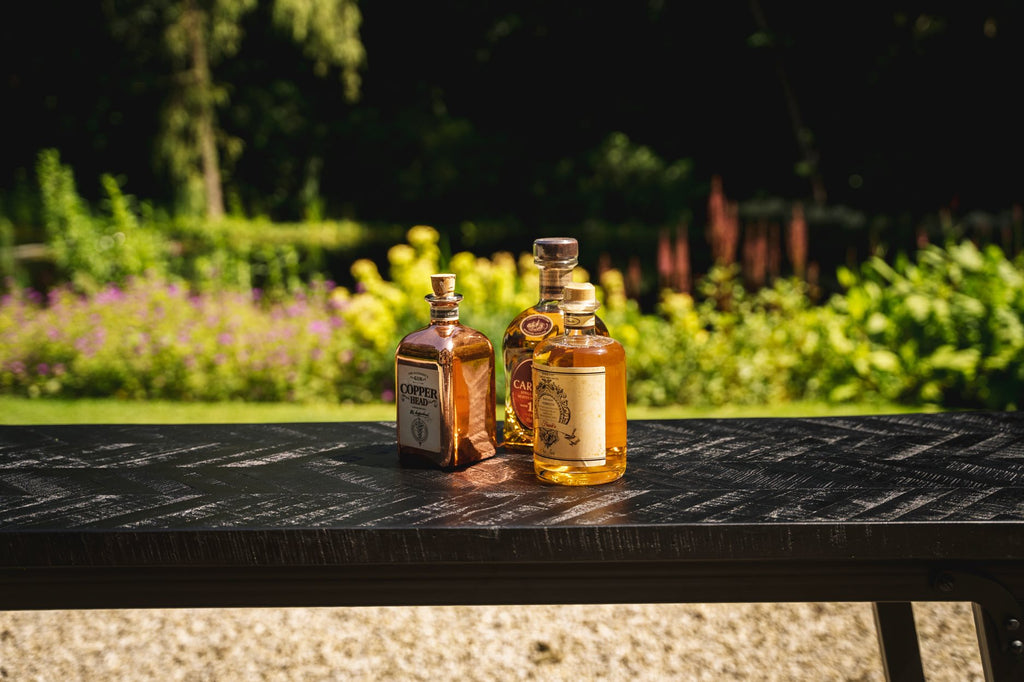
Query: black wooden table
{"points": [[886, 509]]}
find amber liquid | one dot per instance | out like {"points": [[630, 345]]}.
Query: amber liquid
{"points": [[580, 349], [517, 346], [466, 362]]}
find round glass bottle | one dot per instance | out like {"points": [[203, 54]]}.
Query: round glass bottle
{"points": [[579, 386], [556, 257]]}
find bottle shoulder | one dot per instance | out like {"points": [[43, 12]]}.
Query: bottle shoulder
{"points": [[586, 343], [529, 326], [444, 336], [550, 312], [469, 334]]}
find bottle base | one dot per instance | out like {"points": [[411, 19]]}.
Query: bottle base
{"points": [[575, 478], [574, 475], [518, 447]]}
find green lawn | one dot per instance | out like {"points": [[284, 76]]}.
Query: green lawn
{"points": [[104, 411]]}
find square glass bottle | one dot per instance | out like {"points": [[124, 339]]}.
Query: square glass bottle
{"points": [[445, 388]]}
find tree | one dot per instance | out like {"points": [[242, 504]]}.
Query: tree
{"points": [[197, 35]]}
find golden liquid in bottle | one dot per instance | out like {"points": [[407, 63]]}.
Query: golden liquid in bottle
{"points": [[589, 350], [517, 348]]}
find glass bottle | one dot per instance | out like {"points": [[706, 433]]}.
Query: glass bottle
{"points": [[579, 381], [444, 387], [555, 258]]}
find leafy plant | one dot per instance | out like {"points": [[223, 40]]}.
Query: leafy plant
{"points": [[94, 250], [947, 328]]}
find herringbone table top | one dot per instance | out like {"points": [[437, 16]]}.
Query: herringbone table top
{"points": [[327, 493]]}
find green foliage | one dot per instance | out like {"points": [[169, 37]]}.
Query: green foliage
{"points": [[8, 266], [329, 34], [153, 339], [947, 329], [729, 348], [126, 238], [629, 182], [199, 35], [94, 250], [239, 253]]}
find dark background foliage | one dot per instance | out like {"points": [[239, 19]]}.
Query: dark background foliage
{"points": [[498, 113]]}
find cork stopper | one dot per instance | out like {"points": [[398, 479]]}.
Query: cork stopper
{"points": [[444, 302], [580, 292], [443, 284], [579, 298], [562, 251]]}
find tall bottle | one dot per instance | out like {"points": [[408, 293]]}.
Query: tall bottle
{"points": [[444, 387], [555, 258], [579, 382]]}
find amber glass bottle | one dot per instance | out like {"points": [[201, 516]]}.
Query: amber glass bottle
{"points": [[555, 258], [444, 387], [579, 386]]}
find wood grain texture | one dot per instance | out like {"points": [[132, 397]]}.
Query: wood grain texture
{"points": [[908, 487]]}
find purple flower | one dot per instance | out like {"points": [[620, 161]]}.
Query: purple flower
{"points": [[387, 395], [109, 295]]}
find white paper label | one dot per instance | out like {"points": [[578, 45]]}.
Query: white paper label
{"points": [[569, 415], [419, 406]]}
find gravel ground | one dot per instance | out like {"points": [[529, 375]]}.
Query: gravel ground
{"points": [[763, 642]]}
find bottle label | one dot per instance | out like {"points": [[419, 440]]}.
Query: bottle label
{"points": [[569, 414], [419, 406], [579, 320], [522, 392], [536, 325]]}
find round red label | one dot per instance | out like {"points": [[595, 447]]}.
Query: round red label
{"points": [[522, 392], [536, 325]]}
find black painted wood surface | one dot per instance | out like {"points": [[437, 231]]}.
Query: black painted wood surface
{"points": [[881, 509], [924, 487]]}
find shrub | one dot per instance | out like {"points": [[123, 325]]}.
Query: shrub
{"points": [[947, 329], [155, 339], [93, 250], [730, 347]]}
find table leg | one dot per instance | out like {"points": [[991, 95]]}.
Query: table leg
{"points": [[1000, 660], [897, 639]]}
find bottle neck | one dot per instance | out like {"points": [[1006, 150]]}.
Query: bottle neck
{"points": [[444, 310], [552, 280], [580, 324]]}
